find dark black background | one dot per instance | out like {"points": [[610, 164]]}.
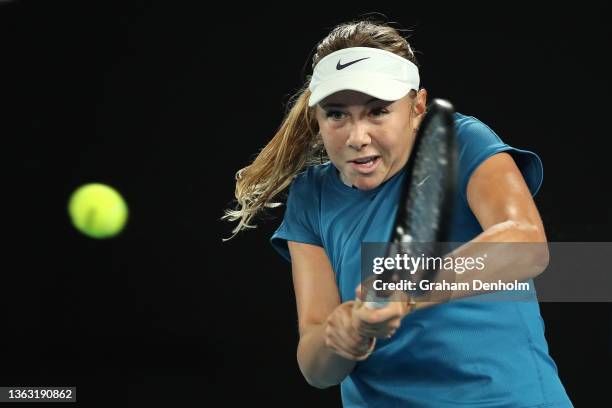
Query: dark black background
{"points": [[165, 103]]}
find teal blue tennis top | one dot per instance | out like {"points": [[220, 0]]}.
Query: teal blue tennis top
{"points": [[464, 353]]}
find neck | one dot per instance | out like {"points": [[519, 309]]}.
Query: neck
{"points": [[344, 181]]}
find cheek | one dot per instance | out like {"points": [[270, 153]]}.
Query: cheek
{"points": [[332, 144], [392, 145], [401, 140]]}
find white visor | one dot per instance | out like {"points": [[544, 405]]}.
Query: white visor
{"points": [[379, 73]]}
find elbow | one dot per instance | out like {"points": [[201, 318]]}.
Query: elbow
{"points": [[532, 253], [538, 255], [315, 382], [318, 385], [311, 378], [540, 258]]}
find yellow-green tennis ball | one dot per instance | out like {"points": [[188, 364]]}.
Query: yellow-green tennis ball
{"points": [[97, 210]]}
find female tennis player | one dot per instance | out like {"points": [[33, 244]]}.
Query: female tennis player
{"points": [[341, 150]]}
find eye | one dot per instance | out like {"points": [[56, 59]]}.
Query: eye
{"points": [[334, 115], [379, 112]]}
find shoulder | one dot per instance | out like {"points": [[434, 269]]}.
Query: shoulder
{"points": [[301, 219], [310, 180], [477, 142], [471, 130]]}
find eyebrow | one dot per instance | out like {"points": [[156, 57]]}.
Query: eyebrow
{"points": [[341, 105]]}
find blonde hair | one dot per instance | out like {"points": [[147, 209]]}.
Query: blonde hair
{"points": [[297, 143]]}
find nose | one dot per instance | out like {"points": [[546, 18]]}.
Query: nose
{"points": [[358, 136]]}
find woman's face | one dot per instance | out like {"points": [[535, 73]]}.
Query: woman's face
{"points": [[355, 125]]}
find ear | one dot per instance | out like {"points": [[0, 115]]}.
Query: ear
{"points": [[420, 106], [421, 102]]}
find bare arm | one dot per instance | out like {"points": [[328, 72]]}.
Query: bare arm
{"points": [[501, 201], [318, 299]]}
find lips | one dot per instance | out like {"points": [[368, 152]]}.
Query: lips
{"points": [[363, 159], [368, 167]]}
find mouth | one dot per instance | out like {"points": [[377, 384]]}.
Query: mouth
{"points": [[365, 164], [365, 159]]}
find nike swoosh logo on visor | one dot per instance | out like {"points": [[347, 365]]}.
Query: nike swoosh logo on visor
{"points": [[340, 66]]}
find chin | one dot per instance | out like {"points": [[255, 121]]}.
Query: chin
{"points": [[367, 184]]}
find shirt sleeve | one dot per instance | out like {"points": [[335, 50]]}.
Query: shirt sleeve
{"points": [[478, 142], [301, 219]]}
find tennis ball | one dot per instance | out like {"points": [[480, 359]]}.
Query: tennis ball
{"points": [[97, 210]]}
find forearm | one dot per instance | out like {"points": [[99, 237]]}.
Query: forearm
{"points": [[319, 364], [511, 251]]}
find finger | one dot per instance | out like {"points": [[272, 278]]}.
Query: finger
{"points": [[388, 336], [391, 324], [380, 330], [365, 323], [383, 315], [331, 344], [364, 329], [352, 341], [351, 333], [339, 348], [371, 332], [358, 302], [365, 326], [347, 356], [381, 334], [349, 340]]}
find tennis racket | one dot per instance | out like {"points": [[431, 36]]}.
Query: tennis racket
{"points": [[426, 199]]}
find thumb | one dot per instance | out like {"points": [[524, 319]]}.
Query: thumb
{"points": [[358, 292], [358, 297]]}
